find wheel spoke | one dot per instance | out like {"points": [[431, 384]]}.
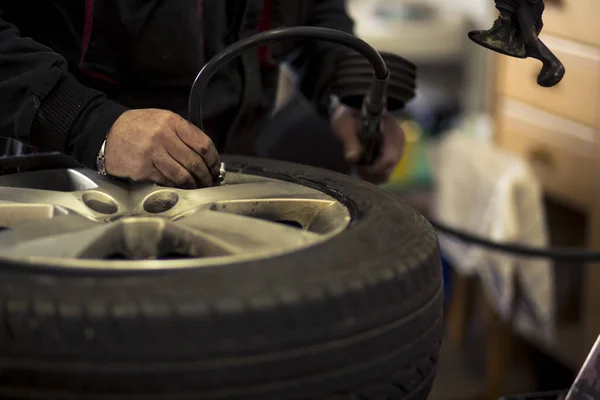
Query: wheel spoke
{"points": [[169, 202], [91, 203], [73, 189], [14, 214], [64, 236], [250, 191], [116, 188], [153, 238], [37, 196], [246, 234], [315, 215], [60, 180]]}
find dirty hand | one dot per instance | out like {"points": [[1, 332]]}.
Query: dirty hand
{"points": [[161, 147], [346, 126]]}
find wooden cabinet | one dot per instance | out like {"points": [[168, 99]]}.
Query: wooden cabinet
{"points": [[576, 20], [576, 97], [557, 130], [560, 152]]}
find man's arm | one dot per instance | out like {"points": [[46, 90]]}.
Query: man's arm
{"points": [[316, 70], [315, 59], [43, 105]]}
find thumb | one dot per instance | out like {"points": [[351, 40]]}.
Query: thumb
{"points": [[346, 126], [353, 149]]}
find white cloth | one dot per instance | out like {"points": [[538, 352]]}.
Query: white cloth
{"points": [[491, 193]]}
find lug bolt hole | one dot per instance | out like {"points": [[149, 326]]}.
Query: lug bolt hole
{"points": [[161, 201], [100, 202]]}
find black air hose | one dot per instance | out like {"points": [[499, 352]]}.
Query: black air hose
{"points": [[351, 83]]}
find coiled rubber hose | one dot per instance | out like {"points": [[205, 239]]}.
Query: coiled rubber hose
{"points": [[380, 70]]}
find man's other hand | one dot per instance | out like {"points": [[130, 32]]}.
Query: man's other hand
{"points": [[346, 126], [161, 147]]}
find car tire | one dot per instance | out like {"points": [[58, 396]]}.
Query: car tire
{"points": [[357, 317]]}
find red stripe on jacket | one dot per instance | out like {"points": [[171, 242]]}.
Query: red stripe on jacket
{"points": [[264, 24], [85, 42]]}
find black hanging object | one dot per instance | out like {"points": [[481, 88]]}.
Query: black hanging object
{"points": [[516, 33]]}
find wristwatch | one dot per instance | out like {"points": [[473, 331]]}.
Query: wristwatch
{"points": [[100, 161]]}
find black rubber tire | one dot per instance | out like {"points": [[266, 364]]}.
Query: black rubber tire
{"points": [[400, 70], [354, 75], [358, 317], [393, 60], [352, 91]]}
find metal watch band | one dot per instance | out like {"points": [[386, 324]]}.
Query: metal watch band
{"points": [[100, 164]]}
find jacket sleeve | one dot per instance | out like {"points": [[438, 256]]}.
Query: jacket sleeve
{"points": [[315, 60], [41, 104]]}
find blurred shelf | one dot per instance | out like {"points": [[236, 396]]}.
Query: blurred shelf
{"points": [[461, 371], [568, 348], [455, 378], [437, 39]]}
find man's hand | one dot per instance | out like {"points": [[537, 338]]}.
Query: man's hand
{"points": [[346, 126], [161, 147]]}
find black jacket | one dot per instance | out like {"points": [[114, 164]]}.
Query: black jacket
{"points": [[70, 68]]}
